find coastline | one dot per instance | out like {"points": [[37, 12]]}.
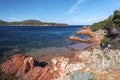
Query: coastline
{"points": [[46, 54], [63, 65], [34, 25], [22, 39], [31, 23]]}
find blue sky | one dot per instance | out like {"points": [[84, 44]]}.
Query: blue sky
{"points": [[74, 12]]}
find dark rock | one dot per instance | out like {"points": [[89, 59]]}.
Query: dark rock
{"points": [[114, 34], [41, 64]]}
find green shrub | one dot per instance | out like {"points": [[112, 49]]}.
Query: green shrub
{"points": [[111, 21], [91, 79], [116, 18], [107, 57], [97, 26], [105, 41]]}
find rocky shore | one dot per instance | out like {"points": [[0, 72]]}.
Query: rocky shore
{"points": [[92, 63]]}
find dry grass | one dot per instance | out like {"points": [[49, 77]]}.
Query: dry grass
{"points": [[107, 75]]}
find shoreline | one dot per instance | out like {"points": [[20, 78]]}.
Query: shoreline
{"points": [[48, 53], [53, 63], [34, 25], [39, 25]]}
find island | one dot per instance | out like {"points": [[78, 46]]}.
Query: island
{"points": [[31, 23]]}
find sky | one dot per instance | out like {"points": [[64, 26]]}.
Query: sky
{"points": [[73, 12]]}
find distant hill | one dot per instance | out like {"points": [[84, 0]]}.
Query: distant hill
{"points": [[30, 23]]}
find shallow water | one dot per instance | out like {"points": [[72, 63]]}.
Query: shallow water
{"points": [[27, 39]]}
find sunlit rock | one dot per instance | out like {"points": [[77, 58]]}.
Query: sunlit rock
{"points": [[94, 38], [59, 63]]}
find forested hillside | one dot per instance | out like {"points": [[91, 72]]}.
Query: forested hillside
{"points": [[112, 27], [111, 21], [30, 23]]}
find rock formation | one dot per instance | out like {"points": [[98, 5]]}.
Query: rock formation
{"points": [[114, 34], [24, 68], [94, 38], [14, 65]]}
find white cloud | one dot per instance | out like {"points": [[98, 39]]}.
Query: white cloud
{"points": [[75, 6], [12, 18]]}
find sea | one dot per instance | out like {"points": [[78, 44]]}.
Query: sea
{"points": [[36, 40]]}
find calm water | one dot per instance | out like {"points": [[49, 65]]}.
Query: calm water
{"points": [[15, 39]]}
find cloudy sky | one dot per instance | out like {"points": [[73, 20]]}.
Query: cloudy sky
{"points": [[74, 12]]}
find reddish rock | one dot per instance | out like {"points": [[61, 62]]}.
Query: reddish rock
{"points": [[13, 65], [94, 38], [34, 73], [38, 73], [6, 67], [23, 68]]}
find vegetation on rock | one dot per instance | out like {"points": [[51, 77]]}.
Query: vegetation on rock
{"points": [[112, 26], [111, 21]]}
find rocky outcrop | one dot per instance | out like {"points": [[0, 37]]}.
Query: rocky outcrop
{"points": [[94, 38], [14, 65], [23, 67], [38, 73], [114, 34], [64, 68]]}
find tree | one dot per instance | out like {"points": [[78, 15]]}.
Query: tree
{"points": [[116, 18], [97, 26], [3, 23], [109, 22]]}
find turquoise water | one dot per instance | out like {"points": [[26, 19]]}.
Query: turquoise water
{"points": [[14, 39]]}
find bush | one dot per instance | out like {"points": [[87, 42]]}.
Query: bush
{"points": [[116, 18], [97, 26], [105, 41], [111, 21]]}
